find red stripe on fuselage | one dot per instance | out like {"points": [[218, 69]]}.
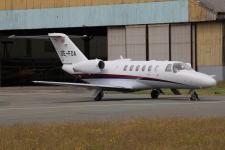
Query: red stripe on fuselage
{"points": [[118, 76]]}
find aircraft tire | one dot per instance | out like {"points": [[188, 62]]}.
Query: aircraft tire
{"points": [[155, 94], [194, 97]]}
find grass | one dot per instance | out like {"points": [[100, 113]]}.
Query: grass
{"points": [[139, 134]]}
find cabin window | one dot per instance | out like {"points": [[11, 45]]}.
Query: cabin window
{"points": [[143, 68], [125, 68], [131, 67], [180, 66], [149, 68], [156, 68], [169, 68], [137, 68]]}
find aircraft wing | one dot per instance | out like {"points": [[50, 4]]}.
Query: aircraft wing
{"points": [[85, 85]]}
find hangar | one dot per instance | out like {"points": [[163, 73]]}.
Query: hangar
{"points": [[187, 30]]}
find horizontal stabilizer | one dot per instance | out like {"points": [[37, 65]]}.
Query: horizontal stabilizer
{"points": [[86, 85], [42, 37]]}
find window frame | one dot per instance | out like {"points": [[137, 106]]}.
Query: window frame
{"points": [[125, 67], [137, 68], [131, 68], [143, 68], [150, 68], [169, 68], [156, 68]]}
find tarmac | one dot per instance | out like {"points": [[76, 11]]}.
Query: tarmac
{"points": [[65, 104]]}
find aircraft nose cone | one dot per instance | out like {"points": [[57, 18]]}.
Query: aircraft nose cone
{"points": [[208, 82], [211, 82]]}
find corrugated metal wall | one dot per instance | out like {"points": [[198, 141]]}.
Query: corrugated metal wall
{"points": [[158, 42], [201, 44], [132, 12], [210, 44], [181, 42], [166, 42], [198, 12], [136, 42], [107, 15], [129, 42], [35, 4], [116, 43], [194, 44]]}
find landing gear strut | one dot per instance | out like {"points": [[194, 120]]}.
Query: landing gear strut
{"points": [[155, 94], [194, 96], [99, 96]]}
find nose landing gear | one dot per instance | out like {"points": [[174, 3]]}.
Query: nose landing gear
{"points": [[194, 96], [99, 95]]}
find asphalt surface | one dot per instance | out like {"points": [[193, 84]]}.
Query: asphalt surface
{"points": [[65, 104]]}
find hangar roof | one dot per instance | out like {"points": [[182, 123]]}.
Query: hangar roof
{"points": [[216, 5]]}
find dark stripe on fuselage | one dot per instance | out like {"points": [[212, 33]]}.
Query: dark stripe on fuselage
{"points": [[117, 76]]}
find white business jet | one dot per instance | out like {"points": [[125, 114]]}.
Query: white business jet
{"points": [[124, 74]]}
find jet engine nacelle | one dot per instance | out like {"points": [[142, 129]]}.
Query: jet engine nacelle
{"points": [[89, 66]]}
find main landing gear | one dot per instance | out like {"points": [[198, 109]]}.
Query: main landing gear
{"points": [[155, 94], [99, 96], [194, 96]]}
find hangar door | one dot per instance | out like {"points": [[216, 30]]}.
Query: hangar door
{"points": [[136, 42], [129, 42], [181, 43], [158, 42], [116, 43]]}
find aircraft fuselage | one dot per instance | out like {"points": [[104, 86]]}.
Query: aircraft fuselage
{"points": [[146, 74]]}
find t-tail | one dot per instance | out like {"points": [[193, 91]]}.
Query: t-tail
{"points": [[66, 49], [72, 58]]}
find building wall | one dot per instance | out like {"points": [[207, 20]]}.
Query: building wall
{"points": [[116, 43], [194, 45], [104, 15], [29, 14], [210, 50], [210, 44], [37, 4], [201, 44], [198, 12], [136, 42], [165, 42], [181, 42], [129, 42], [158, 42]]}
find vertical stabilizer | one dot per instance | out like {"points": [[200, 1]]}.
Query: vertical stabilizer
{"points": [[66, 49]]}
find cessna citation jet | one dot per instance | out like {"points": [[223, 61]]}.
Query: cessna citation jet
{"points": [[124, 75]]}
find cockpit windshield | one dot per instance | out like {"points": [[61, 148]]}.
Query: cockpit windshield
{"points": [[181, 66]]}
